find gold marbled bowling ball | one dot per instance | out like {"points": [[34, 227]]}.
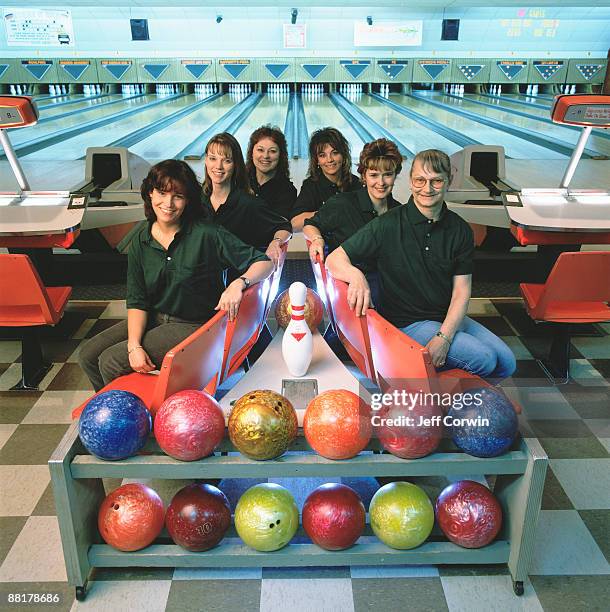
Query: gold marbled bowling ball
{"points": [[262, 424]]}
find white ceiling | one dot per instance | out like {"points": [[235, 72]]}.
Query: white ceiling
{"points": [[369, 5]]}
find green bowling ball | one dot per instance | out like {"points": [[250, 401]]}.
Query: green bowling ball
{"points": [[266, 517], [401, 515]]}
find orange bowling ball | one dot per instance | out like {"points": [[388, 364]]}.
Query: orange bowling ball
{"points": [[337, 424], [314, 309]]}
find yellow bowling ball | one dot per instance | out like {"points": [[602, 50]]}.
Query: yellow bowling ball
{"points": [[401, 515], [262, 424]]}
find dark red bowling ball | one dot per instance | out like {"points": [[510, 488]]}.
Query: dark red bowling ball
{"points": [[189, 425], [469, 514], [409, 430], [198, 517], [131, 517], [333, 516]]}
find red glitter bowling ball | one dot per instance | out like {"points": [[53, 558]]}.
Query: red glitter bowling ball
{"points": [[410, 429], [314, 309], [333, 516], [469, 514], [189, 425], [337, 424], [198, 517], [131, 517]]}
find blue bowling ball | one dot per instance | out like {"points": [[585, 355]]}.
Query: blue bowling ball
{"points": [[486, 427], [114, 425]]}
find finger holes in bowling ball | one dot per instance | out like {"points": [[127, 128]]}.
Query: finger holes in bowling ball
{"points": [[252, 397], [116, 506], [271, 525], [278, 522]]}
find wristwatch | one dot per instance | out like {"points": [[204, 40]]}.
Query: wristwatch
{"points": [[440, 334], [246, 281]]}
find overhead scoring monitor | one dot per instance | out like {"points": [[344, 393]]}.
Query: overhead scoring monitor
{"points": [[17, 111], [585, 110]]}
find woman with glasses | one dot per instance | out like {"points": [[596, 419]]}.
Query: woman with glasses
{"points": [[424, 254]]}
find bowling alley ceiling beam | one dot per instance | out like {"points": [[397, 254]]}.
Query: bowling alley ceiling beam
{"points": [[325, 4]]}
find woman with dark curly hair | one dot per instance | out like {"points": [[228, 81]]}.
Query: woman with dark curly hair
{"points": [[175, 277], [268, 171], [329, 173], [228, 199]]}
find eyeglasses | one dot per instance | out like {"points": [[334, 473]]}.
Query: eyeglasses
{"points": [[420, 181]]}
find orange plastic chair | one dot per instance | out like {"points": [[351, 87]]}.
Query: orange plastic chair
{"points": [[243, 331], [27, 304], [577, 290], [194, 363], [351, 329]]}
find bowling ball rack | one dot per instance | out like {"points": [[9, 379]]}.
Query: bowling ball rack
{"points": [[76, 477]]}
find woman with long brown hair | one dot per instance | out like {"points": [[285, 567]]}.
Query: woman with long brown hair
{"points": [[268, 169], [229, 201], [329, 173]]}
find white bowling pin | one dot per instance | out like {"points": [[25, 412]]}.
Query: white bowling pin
{"points": [[297, 343]]}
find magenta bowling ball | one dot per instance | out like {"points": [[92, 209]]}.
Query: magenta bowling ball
{"points": [[333, 516], [469, 514], [189, 425]]}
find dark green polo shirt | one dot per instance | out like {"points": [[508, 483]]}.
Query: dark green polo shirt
{"points": [[186, 280], [416, 259], [279, 194], [248, 217], [344, 214], [314, 193]]}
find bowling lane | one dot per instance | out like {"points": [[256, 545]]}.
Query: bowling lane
{"points": [[321, 112], [515, 147], [269, 111], [170, 141], [73, 148], [601, 145], [413, 135], [45, 129], [83, 102]]}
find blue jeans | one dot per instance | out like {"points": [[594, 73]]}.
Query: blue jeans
{"points": [[474, 348]]}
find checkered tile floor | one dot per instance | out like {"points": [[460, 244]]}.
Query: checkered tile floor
{"points": [[570, 569]]}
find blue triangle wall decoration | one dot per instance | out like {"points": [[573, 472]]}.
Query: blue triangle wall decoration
{"points": [[155, 70], [75, 70], [355, 70], [511, 70], [313, 70], [197, 69], [392, 70], [117, 70], [3, 69], [434, 70], [37, 70], [235, 69], [548, 70], [588, 71], [470, 70], [276, 70]]}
